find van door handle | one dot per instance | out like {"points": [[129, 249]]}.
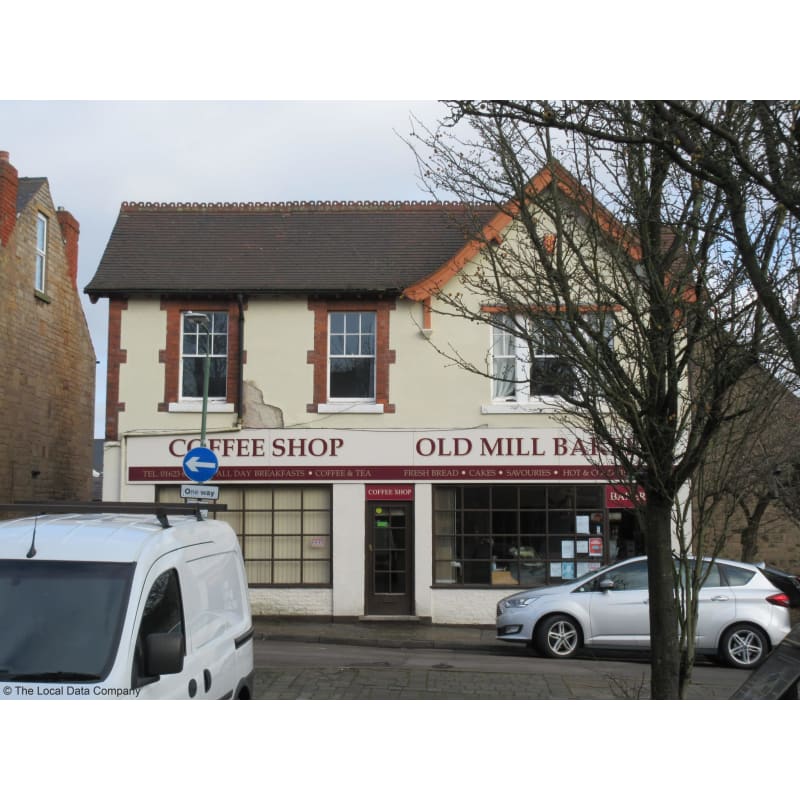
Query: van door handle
{"points": [[719, 598], [206, 680]]}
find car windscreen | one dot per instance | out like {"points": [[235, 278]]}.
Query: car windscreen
{"points": [[60, 621]]}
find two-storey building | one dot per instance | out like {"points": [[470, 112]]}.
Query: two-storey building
{"points": [[365, 475], [47, 362]]}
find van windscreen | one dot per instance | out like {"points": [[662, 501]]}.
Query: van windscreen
{"points": [[60, 621]]}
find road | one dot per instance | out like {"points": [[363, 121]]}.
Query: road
{"points": [[316, 671]]}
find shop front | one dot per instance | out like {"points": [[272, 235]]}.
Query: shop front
{"points": [[399, 523]]}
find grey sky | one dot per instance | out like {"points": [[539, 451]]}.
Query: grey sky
{"points": [[98, 154]]}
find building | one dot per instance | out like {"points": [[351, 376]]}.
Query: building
{"points": [[47, 361], [748, 491], [364, 477]]}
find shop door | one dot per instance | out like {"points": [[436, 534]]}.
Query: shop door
{"points": [[389, 540]]}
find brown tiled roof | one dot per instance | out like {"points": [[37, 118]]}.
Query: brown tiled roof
{"points": [[264, 248]]}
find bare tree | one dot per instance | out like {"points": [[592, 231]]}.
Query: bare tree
{"points": [[748, 149], [749, 467], [734, 486], [605, 290]]}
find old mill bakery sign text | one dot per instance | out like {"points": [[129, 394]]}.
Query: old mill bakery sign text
{"points": [[358, 455]]}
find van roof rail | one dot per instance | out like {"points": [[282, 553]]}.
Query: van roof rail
{"points": [[161, 510]]}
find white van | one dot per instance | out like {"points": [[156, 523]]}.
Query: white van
{"points": [[111, 603]]}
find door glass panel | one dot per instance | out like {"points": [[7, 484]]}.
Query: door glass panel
{"points": [[389, 550]]}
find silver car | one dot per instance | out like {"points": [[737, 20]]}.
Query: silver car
{"points": [[741, 615]]}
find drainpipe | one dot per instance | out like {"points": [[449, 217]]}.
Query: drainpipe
{"points": [[240, 403]]}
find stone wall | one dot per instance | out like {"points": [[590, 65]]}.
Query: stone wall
{"points": [[47, 364]]}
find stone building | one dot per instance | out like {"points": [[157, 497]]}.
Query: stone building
{"points": [[47, 362]]}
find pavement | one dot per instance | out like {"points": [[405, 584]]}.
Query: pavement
{"points": [[389, 633]]}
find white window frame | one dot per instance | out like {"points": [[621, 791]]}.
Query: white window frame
{"points": [[521, 399], [519, 350], [40, 275], [362, 404], [186, 401]]}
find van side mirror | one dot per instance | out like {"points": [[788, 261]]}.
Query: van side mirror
{"points": [[163, 653], [606, 584]]}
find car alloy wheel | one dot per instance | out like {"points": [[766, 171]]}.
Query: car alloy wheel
{"points": [[744, 646], [557, 637]]}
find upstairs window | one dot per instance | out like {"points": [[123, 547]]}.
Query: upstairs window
{"points": [[351, 355], [197, 340], [41, 252], [505, 367], [534, 365], [551, 375]]}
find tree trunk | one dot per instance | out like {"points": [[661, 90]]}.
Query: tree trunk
{"points": [[665, 652], [750, 531]]}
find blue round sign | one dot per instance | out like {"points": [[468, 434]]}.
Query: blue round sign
{"points": [[200, 464]]}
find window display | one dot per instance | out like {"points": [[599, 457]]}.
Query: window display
{"points": [[516, 535]]}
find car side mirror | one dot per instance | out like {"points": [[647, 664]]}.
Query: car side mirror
{"points": [[163, 653], [606, 584]]}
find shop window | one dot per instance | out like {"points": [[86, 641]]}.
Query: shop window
{"points": [[516, 535], [285, 532]]}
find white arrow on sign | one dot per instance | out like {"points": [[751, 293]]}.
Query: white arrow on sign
{"points": [[194, 464]]}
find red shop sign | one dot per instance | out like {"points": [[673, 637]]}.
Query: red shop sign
{"points": [[620, 496], [390, 491]]}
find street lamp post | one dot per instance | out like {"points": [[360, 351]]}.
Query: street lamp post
{"points": [[203, 321]]}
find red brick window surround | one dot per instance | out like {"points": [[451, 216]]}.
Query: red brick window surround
{"points": [[318, 357], [116, 357], [171, 355]]}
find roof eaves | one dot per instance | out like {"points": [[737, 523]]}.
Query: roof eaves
{"points": [[494, 230]]}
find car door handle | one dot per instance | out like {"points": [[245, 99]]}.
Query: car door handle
{"points": [[719, 598]]}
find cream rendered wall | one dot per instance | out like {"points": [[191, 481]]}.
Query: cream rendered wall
{"points": [[141, 376], [423, 550], [348, 549], [426, 389], [278, 334]]}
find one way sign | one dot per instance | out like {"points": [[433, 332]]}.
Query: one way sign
{"points": [[200, 464]]}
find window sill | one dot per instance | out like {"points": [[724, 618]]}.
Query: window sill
{"points": [[350, 408], [522, 408], [196, 407], [40, 295]]}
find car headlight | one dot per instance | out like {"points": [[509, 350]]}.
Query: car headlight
{"points": [[516, 602]]}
